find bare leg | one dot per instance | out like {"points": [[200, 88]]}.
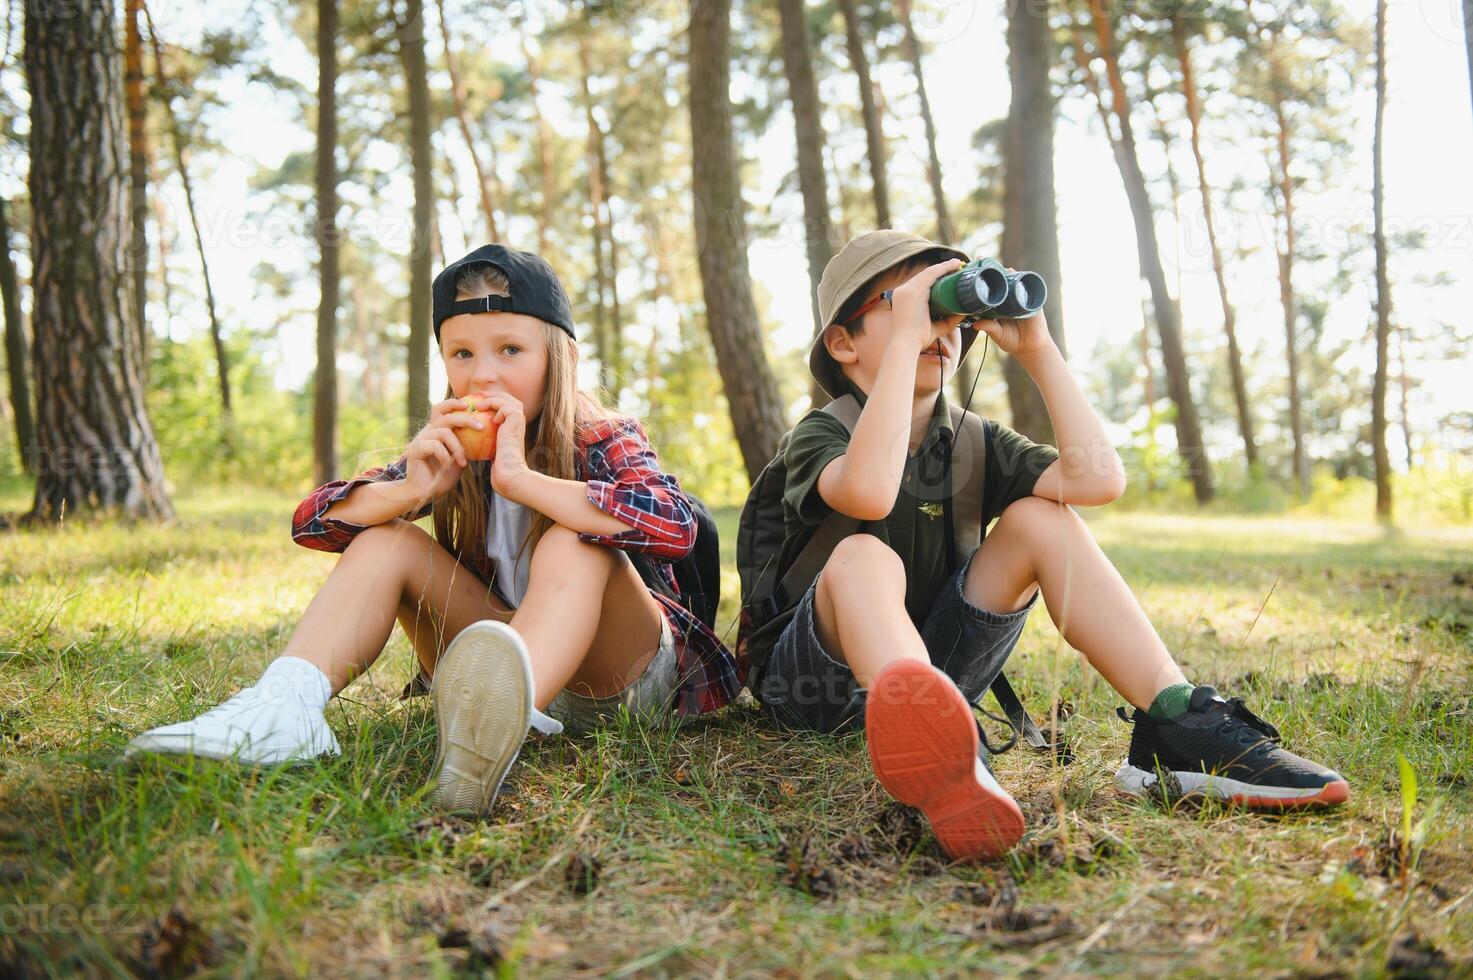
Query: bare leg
{"points": [[588, 620], [1039, 543], [859, 608], [390, 570]]}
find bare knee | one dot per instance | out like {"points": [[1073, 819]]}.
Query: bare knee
{"points": [[1036, 519], [560, 546], [862, 564]]}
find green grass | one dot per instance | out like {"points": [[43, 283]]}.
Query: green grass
{"points": [[1355, 641]]}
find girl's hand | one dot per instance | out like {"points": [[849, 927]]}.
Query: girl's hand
{"points": [[435, 458], [510, 464], [910, 323], [1019, 337]]}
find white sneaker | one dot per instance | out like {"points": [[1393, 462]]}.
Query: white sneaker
{"points": [[251, 727], [482, 691]]}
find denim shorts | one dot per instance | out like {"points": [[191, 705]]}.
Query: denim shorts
{"points": [[650, 697], [802, 687]]}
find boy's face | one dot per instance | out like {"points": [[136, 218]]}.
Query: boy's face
{"points": [[860, 354], [496, 353]]}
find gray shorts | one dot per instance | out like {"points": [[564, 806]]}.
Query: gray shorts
{"points": [[802, 687], [650, 697]]}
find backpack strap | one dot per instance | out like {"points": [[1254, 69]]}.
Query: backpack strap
{"points": [[968, 469]]}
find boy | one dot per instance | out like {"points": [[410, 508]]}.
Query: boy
{"points": [[903, 634]]}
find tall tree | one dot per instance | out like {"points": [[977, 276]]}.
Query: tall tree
{"points": [[137, 169], [731, 315], [1383, 284], [808, 127], [608, 316], [1229, 318], [1030, 236], [17, 349], [545, 165], [410, 35], [1282, 185], [873, 134], [945, 233], [462, 118], [95, 445], [1468, 39], [222, 359], [325, 387], [1168, 323]]}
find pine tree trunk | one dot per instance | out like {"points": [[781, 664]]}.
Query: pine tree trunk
{"points": [[1468, 39], [1229, 317], [1383, 285], [138, 172], [808, 127], [544, 146], [593, 146], [1285, 207], [325, 387], [945, 233], [411, 37], [1168, 324], [17, 350], [462, 118], [1030, 236], [222, 360], [874, 135], [95, 445], [751, 389]]}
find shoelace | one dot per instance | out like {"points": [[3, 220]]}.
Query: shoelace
{"points": [[1247, 727]]}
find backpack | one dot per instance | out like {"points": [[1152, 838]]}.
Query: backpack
{"points": [[697, 575], [774, 578]]}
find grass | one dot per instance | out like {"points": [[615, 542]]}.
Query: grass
{"points": [[723, 848]]}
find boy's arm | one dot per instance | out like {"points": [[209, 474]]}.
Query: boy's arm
{"points": [[864, 482], [1088, 471]]}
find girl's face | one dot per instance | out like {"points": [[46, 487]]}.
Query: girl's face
{"points": [[497, 353]]}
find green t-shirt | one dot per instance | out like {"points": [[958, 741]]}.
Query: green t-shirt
{"points": [[916, 528]]}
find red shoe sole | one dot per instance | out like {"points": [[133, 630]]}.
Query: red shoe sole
{"points": [[1330, 795], [923, 746]]}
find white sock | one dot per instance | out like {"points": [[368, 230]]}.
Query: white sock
{"points": [[546, 724], [293, 676]]}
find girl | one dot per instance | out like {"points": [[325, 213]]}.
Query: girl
{"points": [[527, 568]]}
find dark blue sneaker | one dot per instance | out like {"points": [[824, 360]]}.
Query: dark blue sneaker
{"points": [[1221, 749]]}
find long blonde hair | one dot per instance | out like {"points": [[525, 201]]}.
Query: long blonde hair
{"points": [[460, 516]]}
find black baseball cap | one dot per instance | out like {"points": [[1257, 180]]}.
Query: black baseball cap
{"points": [[535, 289]]}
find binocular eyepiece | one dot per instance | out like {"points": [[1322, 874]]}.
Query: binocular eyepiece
{"points": [[984, 289]]}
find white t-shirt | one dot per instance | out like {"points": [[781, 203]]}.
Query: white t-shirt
{"points": [[507, 529]]}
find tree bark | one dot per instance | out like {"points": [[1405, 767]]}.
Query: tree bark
{"points": [[411, 38], [873, 134], [138, 172], [731, 315], [462, 118], [544, 145], [808, 128], [222, 359], [1383, 284], [95, 447], [17, 349], [1284, 185], [1168, 324], [1229, 317], [946, 234], [1030, 236], [325, 388]]}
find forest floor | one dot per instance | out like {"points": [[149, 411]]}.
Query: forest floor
{"points": [[722, 847]]}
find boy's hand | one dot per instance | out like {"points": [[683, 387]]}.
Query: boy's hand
{"points": [[910, 321], [1020, 338]]}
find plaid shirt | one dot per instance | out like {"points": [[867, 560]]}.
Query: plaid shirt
{"points": [[624, 481]]}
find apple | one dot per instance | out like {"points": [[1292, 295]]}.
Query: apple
{"points": [[478, 443]]}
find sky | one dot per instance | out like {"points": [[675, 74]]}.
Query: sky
{"points": [[1429, 146]]}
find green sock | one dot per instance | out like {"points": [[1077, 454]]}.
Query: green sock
{"points": [[1171, 702]]}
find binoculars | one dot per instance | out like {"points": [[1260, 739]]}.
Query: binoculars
{"points": [[984, 289]]}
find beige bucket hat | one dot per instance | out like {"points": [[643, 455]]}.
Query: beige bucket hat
{"points": [[857, 263]]}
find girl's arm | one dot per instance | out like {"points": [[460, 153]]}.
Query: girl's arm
{"points": [[564, 501], [332, 515]]}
